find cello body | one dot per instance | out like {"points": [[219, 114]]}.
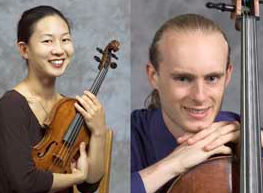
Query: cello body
{"points": [[217, 175]]}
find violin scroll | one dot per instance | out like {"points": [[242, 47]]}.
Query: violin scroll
{"points": [[107, 55]]}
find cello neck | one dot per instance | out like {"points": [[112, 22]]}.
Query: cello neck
{"points": [[250, 160]]}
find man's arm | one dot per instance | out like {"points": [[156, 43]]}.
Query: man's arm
{"points": [[180, 160]]}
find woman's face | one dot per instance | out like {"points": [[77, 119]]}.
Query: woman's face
{"points": [[50, 47]]}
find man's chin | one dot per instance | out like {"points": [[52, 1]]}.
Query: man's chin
{"points": [[196, 127]]}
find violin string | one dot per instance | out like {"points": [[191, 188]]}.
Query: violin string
{"points": [[78, 127], [101, 78], [65, 151], [74, 134], [80, 119], [60, 154], [65, 155], [67, 145], [62, 151]]}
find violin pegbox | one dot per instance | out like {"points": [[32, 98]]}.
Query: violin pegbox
{"points": [[107, 55]]}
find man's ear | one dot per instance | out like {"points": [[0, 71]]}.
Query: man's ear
{"points": [[23, 49], [152, 75], [229, 71]]}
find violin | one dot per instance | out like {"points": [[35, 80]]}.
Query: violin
{"points": [[240, 173], [65, 126]]}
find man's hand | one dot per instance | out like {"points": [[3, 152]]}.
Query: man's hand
{"points": [[222, 133], [180, 160], [195, 149]]}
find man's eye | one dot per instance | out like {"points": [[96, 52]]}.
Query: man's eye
{"points": [[182, 79], [212, 79]]}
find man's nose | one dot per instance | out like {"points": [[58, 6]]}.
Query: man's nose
{"points": [[199, 92]]}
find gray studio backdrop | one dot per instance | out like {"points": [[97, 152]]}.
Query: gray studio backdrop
{"points": [[94, 23], [146, 18]]}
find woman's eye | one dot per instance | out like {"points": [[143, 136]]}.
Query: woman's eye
{"points": [[47, 41], [66, 40]]}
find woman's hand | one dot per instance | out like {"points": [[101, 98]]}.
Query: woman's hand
{"points": [[92, 111], [81, 166]]}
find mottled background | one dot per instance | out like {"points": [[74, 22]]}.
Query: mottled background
{"points": [[94, 23], [148, 15]]}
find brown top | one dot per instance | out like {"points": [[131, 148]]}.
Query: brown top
{"points": [[19, 132]]}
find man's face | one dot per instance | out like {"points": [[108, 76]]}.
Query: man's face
{"points": [[191, 78]]}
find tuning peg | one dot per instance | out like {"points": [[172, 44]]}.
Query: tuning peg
{"points": [[113, 65], [221, 6], [114, 56], [97, 58], [99, 50]]}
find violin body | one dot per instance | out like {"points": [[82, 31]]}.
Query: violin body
{"points": [[52, 152]]}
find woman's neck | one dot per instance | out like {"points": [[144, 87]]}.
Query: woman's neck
{"points": [[41, 87]]}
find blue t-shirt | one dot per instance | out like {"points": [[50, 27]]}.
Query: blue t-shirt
{"points": [[151, 141]]}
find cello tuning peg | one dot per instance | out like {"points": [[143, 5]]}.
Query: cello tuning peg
{"points": [[221, 6], [114, 56], [99, 50], [97, 58], [113, 65]]}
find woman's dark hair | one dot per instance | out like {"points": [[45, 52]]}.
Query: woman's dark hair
{"points": [[179, 24], [30, 17]]}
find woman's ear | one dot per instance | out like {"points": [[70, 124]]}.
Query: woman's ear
{"points": [[23, 49]]}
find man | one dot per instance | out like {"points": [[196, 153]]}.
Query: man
{"points": [[189, 70]]}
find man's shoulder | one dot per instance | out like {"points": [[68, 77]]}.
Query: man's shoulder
{"points": [[144, 119], [144, 115], [227, 116]]}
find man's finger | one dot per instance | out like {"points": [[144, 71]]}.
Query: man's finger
{"points": [[230, 137], [205, 132]]}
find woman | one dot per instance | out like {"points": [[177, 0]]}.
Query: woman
{"points": [[44, 41]]}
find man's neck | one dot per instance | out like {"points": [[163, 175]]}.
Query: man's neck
{"points": [[174, 129]]}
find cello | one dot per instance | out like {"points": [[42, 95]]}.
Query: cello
{"points": [[65, 127], [240, 173]]}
